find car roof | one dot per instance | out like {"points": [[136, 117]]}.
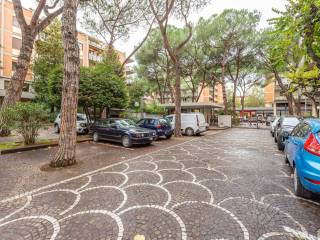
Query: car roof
{"points": [[314, 124]]}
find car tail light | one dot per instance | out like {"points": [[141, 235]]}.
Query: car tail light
{"points": [[313, 181], [197, 121], [312, 145], [158, 126]]}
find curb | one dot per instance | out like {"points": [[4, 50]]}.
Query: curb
{"points": [[39, 146]]}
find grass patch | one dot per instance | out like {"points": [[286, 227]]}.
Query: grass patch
{"points": [[10, 145], [13, 145]]}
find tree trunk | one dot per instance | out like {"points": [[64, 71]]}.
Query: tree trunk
{"points": [[315, 111], [65, 155], [224, 91], [290, 100], [242, 104], [14, 91], [177, 127], [234, 95], [297, 104], [225, 100]]}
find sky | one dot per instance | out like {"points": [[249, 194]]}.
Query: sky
{"points": [[216, 7]]}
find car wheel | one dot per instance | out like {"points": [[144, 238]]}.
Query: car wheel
{"points": [[126, 141], [272, 134], [189, 132], [56, 128], [169, 136], [95, 137], [286, 160], [280, 143], [275, 139], [299, 189]]}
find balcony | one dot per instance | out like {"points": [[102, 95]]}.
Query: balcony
{"points": [[96, 45], [95, 57], [28, 94]]}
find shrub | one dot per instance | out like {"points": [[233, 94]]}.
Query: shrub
{"points": [[154, 108], [5, 122], [27, 119]]}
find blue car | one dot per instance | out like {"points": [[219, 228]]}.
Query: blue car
{"points": [[302, 152], [160, 125]]}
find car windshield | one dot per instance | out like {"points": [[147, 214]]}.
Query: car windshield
{"points": [[81, 118], [125, 123], [163, 121], [290, 121], [169, 119]]}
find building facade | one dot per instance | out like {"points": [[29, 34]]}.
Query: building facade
{"points": [[91, 49], [274, 98]]}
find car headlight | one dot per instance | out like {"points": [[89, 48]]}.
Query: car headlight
{"points": [[82, 125]]}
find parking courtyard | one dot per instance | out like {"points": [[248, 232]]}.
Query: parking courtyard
{"points": [[229, 185]]}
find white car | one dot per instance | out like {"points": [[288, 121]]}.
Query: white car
{"points": [[191, 123], [273, 125], [82, 124]]}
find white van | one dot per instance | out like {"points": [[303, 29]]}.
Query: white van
{"points": [[191, 123]]}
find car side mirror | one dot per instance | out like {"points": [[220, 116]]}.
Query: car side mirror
{"points": [[286, 135]]}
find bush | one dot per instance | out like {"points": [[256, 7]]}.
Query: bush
{"points": [[27, 119], [5, 122], [154, 108]]}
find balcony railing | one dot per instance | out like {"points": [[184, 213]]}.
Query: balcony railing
{"points": [[94, 57]]}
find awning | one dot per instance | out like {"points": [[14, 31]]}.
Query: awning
{"points": [[193, 105]]}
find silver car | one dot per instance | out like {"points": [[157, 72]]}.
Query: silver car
{"points": [[273, 125], [82, 124]]}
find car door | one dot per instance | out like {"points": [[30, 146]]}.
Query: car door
{"points": [[150, 123], [299, 140], [100, 128], [114, 133]]}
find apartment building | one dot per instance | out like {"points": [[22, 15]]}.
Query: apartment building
{"points": [[91, 49], [274, 98]]}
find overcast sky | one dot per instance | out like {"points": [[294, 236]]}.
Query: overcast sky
{"points": [[217, 6]]}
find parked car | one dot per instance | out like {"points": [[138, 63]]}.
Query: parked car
{"points": [[123, 131], [191, 123], [285, 125], [302, 152], [82, 124], [269, 120], [273, 125], [160, 125]]}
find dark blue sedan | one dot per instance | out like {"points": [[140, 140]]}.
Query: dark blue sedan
{"points": [[160, 125], [302, 152], [123, 131]]}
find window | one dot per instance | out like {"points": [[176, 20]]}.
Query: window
{"points": [[163, 121], [290, 121], [296, 130], [16, 43], [141, 122], [6, 84], [15, 22], [13, 66], [26, 87], [303, 131], [80, 46], [112, 123], [150, 121]]}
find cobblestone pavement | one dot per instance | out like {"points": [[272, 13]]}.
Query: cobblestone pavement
{"points": [[233, 185]]}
